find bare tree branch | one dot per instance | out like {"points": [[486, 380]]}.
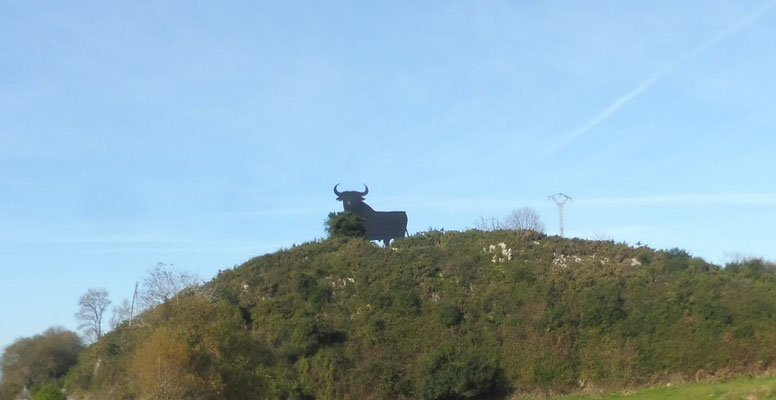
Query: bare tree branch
{"points": [[92, 306], [524, 218], [163, 283], [121, 313]]}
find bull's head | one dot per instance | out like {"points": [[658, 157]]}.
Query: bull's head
{"points": [[350, 198]]}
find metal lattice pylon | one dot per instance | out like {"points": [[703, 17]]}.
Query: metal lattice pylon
{"points": [[560, 200]]}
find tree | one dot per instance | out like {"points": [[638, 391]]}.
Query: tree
{"points": [[32, 361], [524, 218], [162, 283], [49, 391], [92, 306], [121, 313], [345, 224], [447, 373], [163, 368]]}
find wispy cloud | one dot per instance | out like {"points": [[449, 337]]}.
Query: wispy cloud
{"points": [[139, 243], [740, 199], [250, 248], [740, 24], [475, 203]]}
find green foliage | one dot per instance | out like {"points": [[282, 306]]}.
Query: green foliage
{"points": [[341, 318], [645, 256], [306, 335], [30, 362], [751, 268], [195, 347], [450, 314], [49, 391], [448, 374], [345, 224], [311, 291], [676, 259], [603, 307]]}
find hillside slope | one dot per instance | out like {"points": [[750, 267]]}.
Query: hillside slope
{"points": [[441, 315]]}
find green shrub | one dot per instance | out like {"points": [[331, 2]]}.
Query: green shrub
{"points": [[604, 307], [31, 361], [447, 374], [307, 334], [676, 259], [645, 256], [49, 391], [311, 291], [345, 224], [557, 317], [449, 314], [554, 371], [751, 268]]}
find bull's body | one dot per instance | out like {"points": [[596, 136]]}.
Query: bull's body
{"points": [[380, 225]]}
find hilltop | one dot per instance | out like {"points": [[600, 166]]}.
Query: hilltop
{"points": [[442, 315]]}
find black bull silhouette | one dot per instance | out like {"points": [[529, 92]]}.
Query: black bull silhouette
{"points": [[380, 225]]}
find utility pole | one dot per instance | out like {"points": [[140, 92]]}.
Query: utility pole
{"points": [[560, 200], [132, 307]]}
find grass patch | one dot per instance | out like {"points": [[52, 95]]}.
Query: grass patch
{"points": [[738, 389]]}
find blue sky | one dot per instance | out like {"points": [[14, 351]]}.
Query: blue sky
{"points": [[202, 134]]}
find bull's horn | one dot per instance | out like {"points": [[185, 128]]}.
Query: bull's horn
{"points": [[364, 193], [336, 191]]}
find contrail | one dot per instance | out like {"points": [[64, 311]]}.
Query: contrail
{"points": [[659, 74]]}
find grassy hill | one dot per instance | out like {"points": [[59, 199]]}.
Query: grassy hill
{"points": [[442, 315]]}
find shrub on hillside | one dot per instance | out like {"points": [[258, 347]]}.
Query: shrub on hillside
{"points": [[345, 224], [750, 268], [310, 290], [343, 318], [49, 391], [449, 374], [34, 360], [449, 314]]}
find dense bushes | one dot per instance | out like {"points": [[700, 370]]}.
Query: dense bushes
{"points": [[443, 315], [450, 314], [345, 224], [450, 374], [49, 391], [38, 361]]}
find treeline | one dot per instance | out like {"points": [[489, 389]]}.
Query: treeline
{"points": [[38, 364], [441, 315]]}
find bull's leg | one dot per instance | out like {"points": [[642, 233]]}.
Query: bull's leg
{"points": [[387, 241]]}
